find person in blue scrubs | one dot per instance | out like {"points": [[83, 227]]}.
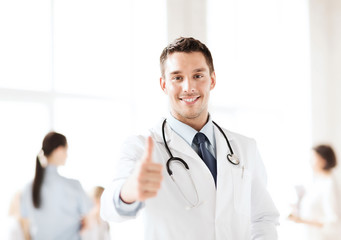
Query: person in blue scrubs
{"points": [[54, 206]]}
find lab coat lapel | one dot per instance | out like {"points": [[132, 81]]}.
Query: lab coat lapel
{"points": [[176, 144], [180, 147], [223, 166], [224, 173]]}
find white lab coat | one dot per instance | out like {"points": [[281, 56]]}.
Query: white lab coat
{"points": [[240, 208]]}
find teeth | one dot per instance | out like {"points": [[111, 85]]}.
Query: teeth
{"points": [[189, 100]]}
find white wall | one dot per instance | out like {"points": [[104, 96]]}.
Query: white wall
{"points": [[186, 19], [325, 25]]}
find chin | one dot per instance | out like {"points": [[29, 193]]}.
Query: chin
{"points": [[190, 115]]}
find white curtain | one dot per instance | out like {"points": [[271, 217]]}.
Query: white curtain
{"points": [[261, 51]]}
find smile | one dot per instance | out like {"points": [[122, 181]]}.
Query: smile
{"points": [[190, 100]]}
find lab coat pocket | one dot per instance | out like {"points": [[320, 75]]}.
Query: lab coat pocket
{"points": [[242, 190]]}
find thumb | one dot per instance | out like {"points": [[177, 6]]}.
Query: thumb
{"points": [[149, 150]]}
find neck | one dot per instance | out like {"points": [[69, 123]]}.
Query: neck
{"points": [[196, 123], [322, 172], [53, 162]]}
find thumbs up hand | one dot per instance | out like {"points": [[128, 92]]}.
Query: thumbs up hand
{"points": [[145, 181]]}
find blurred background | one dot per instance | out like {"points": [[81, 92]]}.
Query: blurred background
{"points": [[90, 70]]}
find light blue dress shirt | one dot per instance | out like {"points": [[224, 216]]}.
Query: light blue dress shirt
{"points": [[63, 204], [187, 133]]}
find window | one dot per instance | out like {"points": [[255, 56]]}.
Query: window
{"points": [[82, 68]]}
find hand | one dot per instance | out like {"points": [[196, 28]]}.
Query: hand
{"points": [[294, 218], [85, 224], [145, 181]]}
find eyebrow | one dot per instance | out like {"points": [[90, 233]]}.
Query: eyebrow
{"points": [[194, 71], [175, 72], [199, 70]]}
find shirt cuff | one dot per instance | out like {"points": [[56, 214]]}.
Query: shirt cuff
{"points": [[126, 209]]}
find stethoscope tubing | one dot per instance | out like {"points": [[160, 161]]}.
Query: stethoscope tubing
{"points": [[183, 162], [172, 158]]}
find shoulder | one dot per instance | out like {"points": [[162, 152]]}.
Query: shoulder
{"points": [[136, 143], [239, 137], [27, 186], [246, 148], [134, 140], [329, 184], [26, 191], [133, 146]]}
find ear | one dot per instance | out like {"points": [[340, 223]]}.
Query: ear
{"points": [[163, 85], [213, 80]]}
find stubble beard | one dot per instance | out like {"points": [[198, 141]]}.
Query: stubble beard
{"points": [[188, 115]]}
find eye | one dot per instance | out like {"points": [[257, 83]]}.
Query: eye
{"points": [[197, 76], [177, 78]]}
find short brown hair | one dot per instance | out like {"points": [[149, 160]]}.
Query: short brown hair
{"points": [[186, 45], [327, 153]]}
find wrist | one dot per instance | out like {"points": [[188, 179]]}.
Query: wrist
{"points": [[125, 194], [127, 200]]}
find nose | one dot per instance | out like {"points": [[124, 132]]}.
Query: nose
{"points": [[188, 85]]}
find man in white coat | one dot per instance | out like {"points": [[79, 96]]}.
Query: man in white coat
{"points": [[192, 179]]}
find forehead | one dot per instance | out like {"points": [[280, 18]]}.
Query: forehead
{"points": [[182, 62]]}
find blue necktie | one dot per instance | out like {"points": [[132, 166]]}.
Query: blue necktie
{"points": [[205, 155]]}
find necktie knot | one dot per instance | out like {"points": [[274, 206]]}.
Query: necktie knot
{"points": [[199, 138]]}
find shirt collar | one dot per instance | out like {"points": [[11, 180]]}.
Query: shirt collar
{"points": [[188, 133], [51, 168]]}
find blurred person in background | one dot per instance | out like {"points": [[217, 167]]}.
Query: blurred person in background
{"points": [[54, 205], [97, 229], [318, 209]]}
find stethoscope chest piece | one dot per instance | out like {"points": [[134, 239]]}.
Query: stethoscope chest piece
{"points": [[233, 159]]}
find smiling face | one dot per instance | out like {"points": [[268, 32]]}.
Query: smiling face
{"points": [[187, 82]]}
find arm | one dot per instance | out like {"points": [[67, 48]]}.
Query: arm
{"points": [[23, 216], [136, 181], [297, 219], [264, 215], [25, 225], [329, 207]]}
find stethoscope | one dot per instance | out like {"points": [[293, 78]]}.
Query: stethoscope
{"points": [[231, 157]]}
